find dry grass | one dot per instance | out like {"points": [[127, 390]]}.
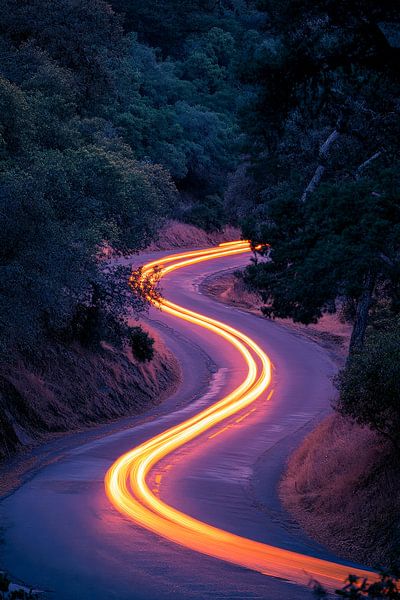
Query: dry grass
{"points": [[342, 485], [330, 332], [181, 235], [76, 388]]}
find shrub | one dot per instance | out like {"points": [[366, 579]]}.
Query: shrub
{"points": [[141, 344], [4, 582], [358, 589], [16, 593], [369, 385]]}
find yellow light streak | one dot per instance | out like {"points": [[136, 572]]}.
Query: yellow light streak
{"points": [[126, 481]]}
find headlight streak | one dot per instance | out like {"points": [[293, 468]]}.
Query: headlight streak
{"points": [[126, 480]]}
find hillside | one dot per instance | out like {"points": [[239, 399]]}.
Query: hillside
{"points": [[342, 486], [72, 387]]}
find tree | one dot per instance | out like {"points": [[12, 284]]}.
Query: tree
{"points": [[84, 37], [68, 181], [45, 263], [165, 23], [369, 385], [322, 134], [343, 242], [208, 214], [315, 59]]}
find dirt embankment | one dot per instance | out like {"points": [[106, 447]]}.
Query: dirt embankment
{"points": [[341, 484], [72, 388], [181, 235], [329, 332], [75, 388]]}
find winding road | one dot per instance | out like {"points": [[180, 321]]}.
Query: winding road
{"points": [[194, 481]]}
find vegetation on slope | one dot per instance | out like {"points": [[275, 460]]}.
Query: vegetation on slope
{"points": [[342, 486], [102, 138], [324, 135], [70, 387]]}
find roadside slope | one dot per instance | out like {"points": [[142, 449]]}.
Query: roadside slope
{"points": [[67, 387], [74, 387], [330, 332], [342, 486]]}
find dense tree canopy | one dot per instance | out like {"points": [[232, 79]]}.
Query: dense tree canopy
{"points": [[102, 136], [323, 131], [342, 243]]}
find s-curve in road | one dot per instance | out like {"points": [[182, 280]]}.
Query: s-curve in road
{"points": [[182, 503]]}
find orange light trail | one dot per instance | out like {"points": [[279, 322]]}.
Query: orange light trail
{"points": [[126, 481]]}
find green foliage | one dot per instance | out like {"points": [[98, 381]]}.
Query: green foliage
{"points": [[356, 588], [184, 113], [69, 183], [322, 249], [141, 344], [369, 385], [209, 214], [313, 60], [181, 116], [167, 24], [97, 132], [83, 37], [323, 132]]}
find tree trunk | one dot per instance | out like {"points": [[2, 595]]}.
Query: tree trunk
{"points": [[362, 312]]}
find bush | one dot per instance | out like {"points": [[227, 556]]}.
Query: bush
{"points": [[357, 589], [141, 344], [369, 385], [15, 593]]}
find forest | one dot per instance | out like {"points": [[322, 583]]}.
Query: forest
{"points": [[280, 117], [102, 138]]}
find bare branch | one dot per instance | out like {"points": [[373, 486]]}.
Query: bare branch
{"points": [[320, 170], [324, 150], [388, 261], [367, 162]]}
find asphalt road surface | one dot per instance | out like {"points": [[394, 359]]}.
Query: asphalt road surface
{"points": [[62, 534]]}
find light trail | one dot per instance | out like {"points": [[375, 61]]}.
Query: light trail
{"points": [[126, 481]]}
